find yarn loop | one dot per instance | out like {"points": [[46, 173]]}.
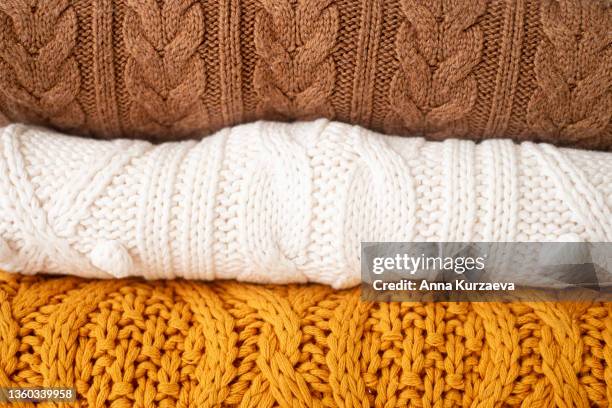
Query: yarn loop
{"points": [[113, 258]]}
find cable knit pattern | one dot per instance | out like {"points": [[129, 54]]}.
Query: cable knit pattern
{"points": [[573, 67], [187, 344], [167, 70], [38, 72], [280, 203], [295, 72], [164, 75], [438, 46]]}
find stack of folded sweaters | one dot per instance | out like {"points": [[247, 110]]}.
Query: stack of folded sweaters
{"points": [[207, 169]]}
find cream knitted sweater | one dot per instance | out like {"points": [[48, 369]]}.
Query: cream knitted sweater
{"points": [[278, 203]]}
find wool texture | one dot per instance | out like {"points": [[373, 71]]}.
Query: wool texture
{"points": [[277, 203], [129, 343], [537, 70]]}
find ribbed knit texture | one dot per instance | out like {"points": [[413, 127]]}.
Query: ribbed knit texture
{"points": [[524, 69], [276, 203], [184, 344]]}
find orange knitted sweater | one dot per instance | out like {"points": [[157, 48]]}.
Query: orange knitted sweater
{"points": [[537, 69], [128, 343]]}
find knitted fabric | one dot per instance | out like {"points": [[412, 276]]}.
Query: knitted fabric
{"points": [[539, 69], [278, 203], [184, 344]]}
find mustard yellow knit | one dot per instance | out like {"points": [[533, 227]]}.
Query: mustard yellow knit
{"points": [[174, 343]]}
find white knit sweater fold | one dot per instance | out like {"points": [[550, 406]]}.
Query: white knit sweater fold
{"points": [[278, 203]]}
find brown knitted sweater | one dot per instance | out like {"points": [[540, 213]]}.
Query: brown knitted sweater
{"points": [[538, 69]]}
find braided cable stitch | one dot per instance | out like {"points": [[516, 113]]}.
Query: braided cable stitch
{"points": [[438, 45], [295, 72], [278, 203], [38, 72], [175, 343], [573, 68], [165, 76]]}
